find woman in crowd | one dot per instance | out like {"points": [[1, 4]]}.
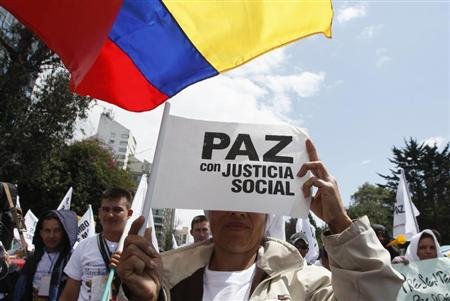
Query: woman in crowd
{"points": [[423, 245]]}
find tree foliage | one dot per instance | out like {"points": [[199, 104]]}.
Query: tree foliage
{"points": [[38, 113], [88, 168], [375, 202], [427, 171]]}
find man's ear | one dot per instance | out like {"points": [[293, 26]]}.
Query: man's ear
{"points": [[190, 231], [130, 212]]}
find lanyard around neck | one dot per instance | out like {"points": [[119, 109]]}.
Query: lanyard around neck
{"points": [[104, 250], [52, 261]]}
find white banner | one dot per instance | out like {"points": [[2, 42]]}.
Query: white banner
{"points": [[425, 280], [65, 203], [229, 166], [86, 225], [303, 225], [404, 211]]}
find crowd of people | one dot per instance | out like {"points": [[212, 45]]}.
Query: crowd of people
{"points": [[231, 258]]}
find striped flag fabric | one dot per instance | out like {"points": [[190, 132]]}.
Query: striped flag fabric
{"points": [[138, 53]]}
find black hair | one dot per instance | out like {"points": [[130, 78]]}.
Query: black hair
{"points": [[116, 193]]}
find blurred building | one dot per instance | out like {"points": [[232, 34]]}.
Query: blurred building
{"points": [[136, 168], [117, 138], [164, 223], [182, 236]]}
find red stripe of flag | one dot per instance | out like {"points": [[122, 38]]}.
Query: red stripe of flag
{"points": [[75, 30], [115, 77]]}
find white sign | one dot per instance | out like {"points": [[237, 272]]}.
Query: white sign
{"points": [[86, 225], [229, 166], [65, 203], [425, 280], [404, 211]]}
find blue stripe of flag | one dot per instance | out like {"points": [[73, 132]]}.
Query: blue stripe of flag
{"points": [[150, 36]]}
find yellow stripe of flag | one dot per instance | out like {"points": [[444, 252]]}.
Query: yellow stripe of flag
{"points": [[230, 32]]}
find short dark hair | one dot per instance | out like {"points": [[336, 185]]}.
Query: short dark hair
{"points": [[198, 219], [116, 193]]}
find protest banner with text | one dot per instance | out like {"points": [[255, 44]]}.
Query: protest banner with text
{"points": [[229, 166], [425, 280]]}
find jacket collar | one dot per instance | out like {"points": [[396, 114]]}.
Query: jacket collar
{"points": [[274, 256]]}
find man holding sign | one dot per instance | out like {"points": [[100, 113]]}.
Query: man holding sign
{"points": [[88, 267], [242, 264]]}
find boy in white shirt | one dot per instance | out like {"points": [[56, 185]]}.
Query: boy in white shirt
{"points": [[89, 265]]}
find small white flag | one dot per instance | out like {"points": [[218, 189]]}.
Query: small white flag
{"points": [[137, 206], [303, 225], [404, 211], [30, 221], [65, 203], [86, 225], [174, 242], [18, 203]]}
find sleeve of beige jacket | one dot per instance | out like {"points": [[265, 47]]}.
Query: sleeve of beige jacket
{"points": [[360, 266]]}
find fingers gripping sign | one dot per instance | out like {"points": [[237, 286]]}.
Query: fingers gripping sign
{"points": [[326, 203], [140, 265]]}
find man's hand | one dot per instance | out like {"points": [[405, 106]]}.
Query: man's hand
{"points": [[326, 203], [114, 260], [140, 265], [400, 259]]}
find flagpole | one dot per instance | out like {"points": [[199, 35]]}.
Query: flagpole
{"points": [[155, 166], [410, 201], [147, 202]]}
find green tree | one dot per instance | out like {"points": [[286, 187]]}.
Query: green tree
{"points": [[38, 113], [88, 168], [427, 171], [375, 202]]}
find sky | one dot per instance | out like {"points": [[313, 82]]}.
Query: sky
{"points": [[383, 77]]}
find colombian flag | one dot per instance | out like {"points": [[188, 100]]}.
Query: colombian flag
{"points": [[139, 53]]}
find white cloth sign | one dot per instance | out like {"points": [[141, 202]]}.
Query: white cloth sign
{"points": [[303, 225], [425, 280], [86, 225], [404, 211], [229, 166], [65, 203]]}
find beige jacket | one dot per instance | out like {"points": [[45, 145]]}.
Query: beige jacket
{"points": [[361, 269]]}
